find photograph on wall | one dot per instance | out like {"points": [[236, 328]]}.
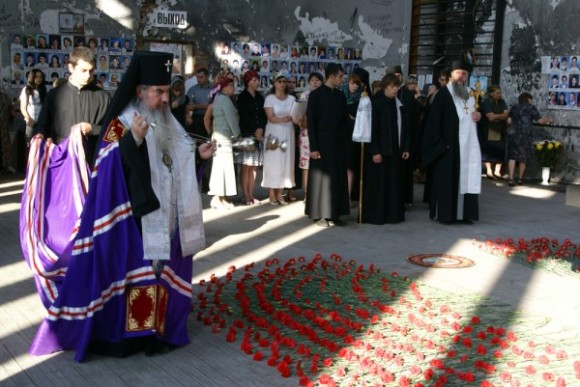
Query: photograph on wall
{"points": [[256, 49], [16, 42], [29, 42], [175, 49], [65, 22], [66, 43], [54, 42], [563, 81], [42, 42], [78, 24]]}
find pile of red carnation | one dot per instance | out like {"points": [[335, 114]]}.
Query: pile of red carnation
{"points": [[334, 322]]}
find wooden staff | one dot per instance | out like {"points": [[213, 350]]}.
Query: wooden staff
{"points": [[360, 183]]}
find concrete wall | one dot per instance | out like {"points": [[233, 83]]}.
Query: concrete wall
{"points": [[534, 29], [380, 28]]}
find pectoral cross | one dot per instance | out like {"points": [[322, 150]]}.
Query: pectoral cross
{"points": [[466, 108], [168, 65]]}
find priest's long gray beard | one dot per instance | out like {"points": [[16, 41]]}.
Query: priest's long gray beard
{"points": [[164, 130], [460, 90]]}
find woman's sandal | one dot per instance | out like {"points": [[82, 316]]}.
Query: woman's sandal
{"points": [[511, 183]]}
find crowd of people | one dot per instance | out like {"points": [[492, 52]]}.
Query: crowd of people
{"points": [[165, 141]]}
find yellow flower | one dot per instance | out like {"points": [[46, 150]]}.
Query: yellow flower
{"points": [[550, 145], [558, 144], [539, 146]]}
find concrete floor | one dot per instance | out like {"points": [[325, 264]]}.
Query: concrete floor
{"points": [[255, 233]]}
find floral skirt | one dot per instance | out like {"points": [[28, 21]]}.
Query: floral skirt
{"points": [[304, 146]]}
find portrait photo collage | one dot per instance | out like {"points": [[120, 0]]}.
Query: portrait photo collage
{"points": [[270, 59], [50, 54], [564, 82]]}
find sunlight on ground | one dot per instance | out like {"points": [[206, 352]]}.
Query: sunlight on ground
{"points": [[9, 193], [13, 273], [533, 193], [485, 265], [22, 362], [16, 183], [9, 207], [33, 319], [266, 250]]}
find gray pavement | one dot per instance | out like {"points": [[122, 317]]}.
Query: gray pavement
{"points": [[254, 233]]}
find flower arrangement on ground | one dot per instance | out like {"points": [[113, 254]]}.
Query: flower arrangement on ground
{"points": [[547, 152], [543, 253], [333, 322]]}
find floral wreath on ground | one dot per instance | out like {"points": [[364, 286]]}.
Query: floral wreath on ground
{"points": [[542, 253], [334, 322]]}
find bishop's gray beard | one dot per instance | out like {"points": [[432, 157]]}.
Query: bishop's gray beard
{"points": [[164, 129], [460, 90]]}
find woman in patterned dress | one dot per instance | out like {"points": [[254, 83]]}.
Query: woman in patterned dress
{"points": [[522, 116]]}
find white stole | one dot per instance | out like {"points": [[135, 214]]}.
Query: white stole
{"points": [[398, 105], [176, 189], [469, 151]]}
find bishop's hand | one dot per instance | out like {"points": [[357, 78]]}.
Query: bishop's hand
{"points": [[207, 150], [139, 126]]}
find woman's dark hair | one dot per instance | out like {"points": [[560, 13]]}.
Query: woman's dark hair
{"points": [[316, 75], [525, 97], [31, 86]]}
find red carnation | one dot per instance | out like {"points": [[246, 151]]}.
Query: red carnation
{"points": [[258, 356], [548, 376], [481, 349], [530, 370], [324, 379]]}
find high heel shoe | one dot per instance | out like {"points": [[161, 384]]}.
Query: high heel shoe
{"points": [[282, 201]]}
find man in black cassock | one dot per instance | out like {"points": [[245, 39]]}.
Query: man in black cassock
{"points": [[78, 101], [407, 98], [451, 151], [327, 196], [383, 178]]}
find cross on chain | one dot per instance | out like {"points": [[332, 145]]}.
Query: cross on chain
{"points": [[466, 108], [168, 65]]}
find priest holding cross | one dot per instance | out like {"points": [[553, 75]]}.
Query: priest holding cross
{"points": [[451, 151]]}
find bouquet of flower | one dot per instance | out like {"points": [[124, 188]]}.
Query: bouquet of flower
{"points": [[547, 152]]}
